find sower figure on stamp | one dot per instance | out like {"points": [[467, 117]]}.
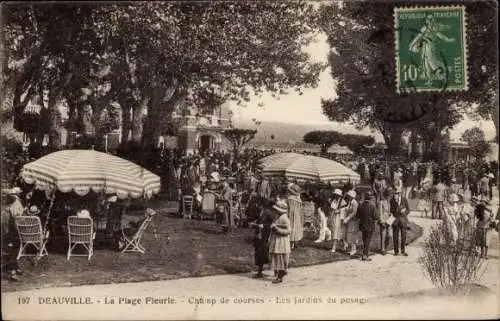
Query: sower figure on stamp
{"points": [[427, 44], [399, 209]]}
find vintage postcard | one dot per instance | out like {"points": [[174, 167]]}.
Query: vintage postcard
{"points": [[249, 160]]}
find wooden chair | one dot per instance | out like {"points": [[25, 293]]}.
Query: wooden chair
{"points": [[133, 244], [187, 206], [81, 232], [30, 231], [208, 204]]}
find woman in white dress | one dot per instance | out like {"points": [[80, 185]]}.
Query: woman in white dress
{"points": [[350, 222], [322, 212], [295, 214], [384, 211], [338, 206], [451, 216]]}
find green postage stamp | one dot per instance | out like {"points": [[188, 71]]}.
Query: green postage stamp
{"points": [[431, 51]]}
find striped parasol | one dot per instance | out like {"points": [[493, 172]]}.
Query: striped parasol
{"points": [[84, 170], [306, 167]]}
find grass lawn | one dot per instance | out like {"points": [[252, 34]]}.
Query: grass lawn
{"points": [[184, 248]]}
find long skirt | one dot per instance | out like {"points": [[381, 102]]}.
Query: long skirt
{"points": [[279, 261], [338, 232], [297, 225], [352, 232], [261, 255]]}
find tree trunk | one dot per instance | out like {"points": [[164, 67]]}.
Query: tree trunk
{"points": [[392, 137], [126, 123], [55, 124], [158, 113], [137, 120]]}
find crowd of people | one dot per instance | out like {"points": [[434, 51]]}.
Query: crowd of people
{"points": [[276, 208]]}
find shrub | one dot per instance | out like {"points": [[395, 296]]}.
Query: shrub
{"points": [[448, 263]]}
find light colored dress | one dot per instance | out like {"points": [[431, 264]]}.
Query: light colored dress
{"points": [[451, 214], [296, 219], [352, 226], [279, 243], [338, 232], [384, 211]]}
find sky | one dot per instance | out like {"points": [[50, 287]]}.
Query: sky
{"points": [[306, 108]]}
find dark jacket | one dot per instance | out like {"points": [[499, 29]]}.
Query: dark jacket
{"points": [[367, 216], [397, 211]]}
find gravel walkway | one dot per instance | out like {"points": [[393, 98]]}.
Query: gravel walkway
{"points": [[348, 289]]}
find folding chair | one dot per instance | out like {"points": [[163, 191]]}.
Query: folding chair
{"points": [[30, 231], [133, 244], [187, 206], [81, 232], [208, 204]]}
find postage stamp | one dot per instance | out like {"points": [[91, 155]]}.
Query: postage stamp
{"points": [[431, 49]]}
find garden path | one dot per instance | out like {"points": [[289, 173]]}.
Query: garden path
{"points": [[382, 288]]}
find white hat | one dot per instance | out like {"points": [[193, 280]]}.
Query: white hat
{"points": [[215, 177], [15, 190], [113, 199], [281, 206], [337, 192], [33, 210], [490, 175], [83, 213], [453, 198], [351, 193]]}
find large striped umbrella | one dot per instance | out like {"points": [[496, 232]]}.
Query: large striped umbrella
{"points": [[306, 167], [84, 170]]}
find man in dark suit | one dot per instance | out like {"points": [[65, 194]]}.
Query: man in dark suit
{"points": [[367, 216], [399, 208]]}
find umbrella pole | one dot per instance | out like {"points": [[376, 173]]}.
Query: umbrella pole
{"points": [[52, 199]]}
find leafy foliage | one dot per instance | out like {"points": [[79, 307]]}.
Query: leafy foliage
{"points": [[239, 137], [153, 57], [362, 60], [476, 139], [326, 138]]}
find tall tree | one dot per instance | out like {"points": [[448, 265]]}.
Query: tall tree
{"points": [[323, 138], [478, 146], [326, 138], [238, 137], [362, 60]]}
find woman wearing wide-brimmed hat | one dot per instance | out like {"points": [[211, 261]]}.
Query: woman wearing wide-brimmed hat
{"points": [[338, 206], [351, 226], [279, 241], [384, 213], [295, 214]]}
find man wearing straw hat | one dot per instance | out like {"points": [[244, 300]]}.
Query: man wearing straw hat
{"points": [[399, 208]]}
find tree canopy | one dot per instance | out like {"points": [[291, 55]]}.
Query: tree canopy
{"points": [[478, 146], [154, 57], [238, 137], [326, 138], [362, 60]]}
